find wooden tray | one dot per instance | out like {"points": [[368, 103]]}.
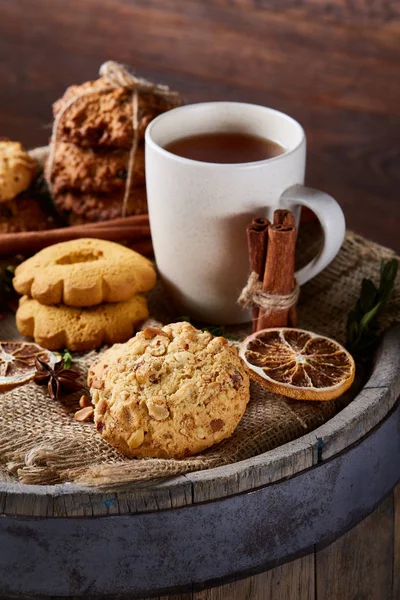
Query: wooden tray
{"points": [[212, 525]]}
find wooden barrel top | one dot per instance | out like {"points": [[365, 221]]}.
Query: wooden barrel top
{"points": [[211, 526], [349, 426]]}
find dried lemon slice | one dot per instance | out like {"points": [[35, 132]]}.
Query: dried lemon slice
{"points": [[17, 362], [298, 363]]}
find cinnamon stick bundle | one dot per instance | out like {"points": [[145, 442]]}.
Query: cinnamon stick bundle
{"points": [[131, 229], [257, 238], [279, 269]]}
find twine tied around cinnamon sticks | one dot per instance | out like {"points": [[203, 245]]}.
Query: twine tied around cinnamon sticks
{"points": [[272, 288], [253, 294], [116, 76]]}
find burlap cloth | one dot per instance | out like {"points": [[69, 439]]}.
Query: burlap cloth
{"points": [[40, 443]]}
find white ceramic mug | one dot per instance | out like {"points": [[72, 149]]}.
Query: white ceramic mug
{"points": [[199, 211]]}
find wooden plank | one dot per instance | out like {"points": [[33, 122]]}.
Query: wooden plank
{"points": [[396, 543], [359, 564], [244, 50], [284, 461], [292, 581], [188, 596], [387, 364], [353, 422]]}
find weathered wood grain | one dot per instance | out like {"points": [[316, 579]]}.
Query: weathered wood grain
{"points": [[294, 580], [359, 564], [354, 421], [386, 365], [332, 65], [271, 466]]}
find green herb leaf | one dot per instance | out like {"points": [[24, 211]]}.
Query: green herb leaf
{"points": [[214, 330], [362, 320], [368, 295], [67, 358]]}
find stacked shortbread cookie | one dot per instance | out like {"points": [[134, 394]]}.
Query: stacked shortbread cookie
{"points": [[82, 294]]}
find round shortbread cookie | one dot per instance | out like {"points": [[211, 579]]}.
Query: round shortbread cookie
{"points": [[17, 170], [84, 272], [80, 329], [168, 393]]}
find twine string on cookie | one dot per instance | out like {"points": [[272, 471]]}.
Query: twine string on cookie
{"points": [[253, 294], [116, 76]]}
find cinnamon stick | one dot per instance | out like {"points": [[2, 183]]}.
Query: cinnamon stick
{"points": [[120, 222], [279, 269], [257, 238], [144, 247], [32, 241]]}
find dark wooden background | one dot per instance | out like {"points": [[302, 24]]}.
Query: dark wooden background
{"points": [[333, 65]]}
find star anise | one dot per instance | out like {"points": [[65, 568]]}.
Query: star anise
{"points": [[57, 377]]}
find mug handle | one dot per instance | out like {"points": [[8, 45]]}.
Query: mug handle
{"points": [[331, 217]]}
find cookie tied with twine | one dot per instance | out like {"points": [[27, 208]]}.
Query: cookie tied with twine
{"points": [[82, 105]]}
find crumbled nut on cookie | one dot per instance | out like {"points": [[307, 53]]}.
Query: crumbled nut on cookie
{"points": [[101, 407], [236, 379], [124, 396], [200, 433], [97, 384], [172, 394], [157, 410], [136, 439], [151, 332]]}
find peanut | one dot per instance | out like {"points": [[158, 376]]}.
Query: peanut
{"points": [[84, 414], [84, 401]]}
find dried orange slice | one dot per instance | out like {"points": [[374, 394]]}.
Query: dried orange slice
{"points": [[17, 362], [298, 363]]}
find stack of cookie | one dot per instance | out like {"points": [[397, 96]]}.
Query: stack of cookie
{"points": [[82, 294], [20, 208], [87, 170]]}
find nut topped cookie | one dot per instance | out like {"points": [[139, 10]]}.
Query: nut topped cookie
{"points": [[17, 170], [84, 272], [169, 392]]}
